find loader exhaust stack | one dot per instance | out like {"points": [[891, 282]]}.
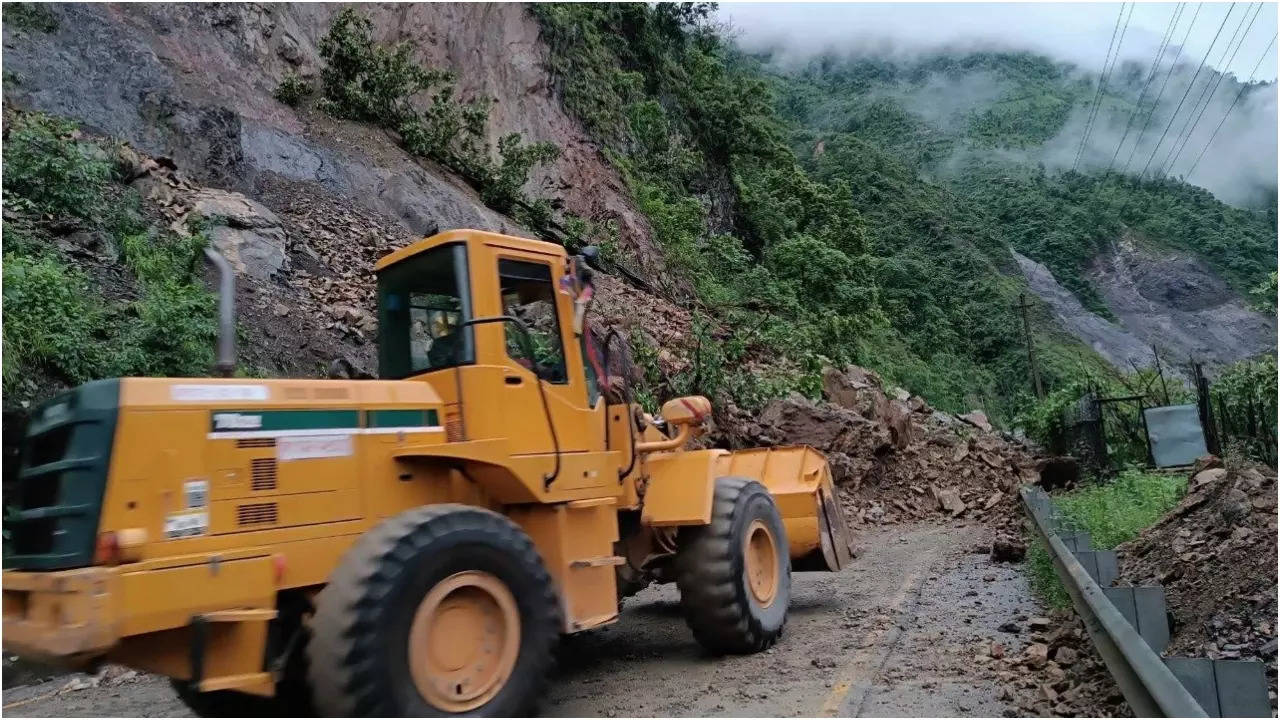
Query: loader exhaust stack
{"points": [[225, 365]]}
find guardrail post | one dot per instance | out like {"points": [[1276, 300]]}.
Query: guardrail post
{"points": [[1101, 565], [1145, 609]]}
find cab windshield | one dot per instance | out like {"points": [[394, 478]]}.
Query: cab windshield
{"points": [[422, 303]]}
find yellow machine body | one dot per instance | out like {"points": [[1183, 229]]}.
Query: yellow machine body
{"points": [[222, 496]]}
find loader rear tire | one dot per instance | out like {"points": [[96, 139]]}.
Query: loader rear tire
{"points": [[441, 610], [734, 574]]}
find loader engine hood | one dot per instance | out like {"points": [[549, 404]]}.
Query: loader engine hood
{"points": [[54, 501]]}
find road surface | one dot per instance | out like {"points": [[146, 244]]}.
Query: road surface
{"points": [[905, 631]]}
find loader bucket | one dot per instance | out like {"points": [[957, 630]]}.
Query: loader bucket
{"points": [[800, 481]]}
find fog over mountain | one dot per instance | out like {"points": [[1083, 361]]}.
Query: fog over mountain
{"points": [[1239, 166]]}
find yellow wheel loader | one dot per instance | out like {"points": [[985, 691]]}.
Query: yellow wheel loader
{"points": [[413, 545]]}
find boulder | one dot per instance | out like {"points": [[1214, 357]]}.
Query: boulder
{"points": [[245, 231], [234, 209], [1007, 548], [259, 255], [948, 500], [978, 419], [1207, 477], [1206, 462], [853, 388]]}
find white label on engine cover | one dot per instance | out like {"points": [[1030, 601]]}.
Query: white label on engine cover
{"points": [[211, 393], [303, 447], [186, 525], [196, 492]]}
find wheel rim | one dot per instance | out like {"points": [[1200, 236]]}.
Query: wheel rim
{"points": [[761, 566], [464, 641]]}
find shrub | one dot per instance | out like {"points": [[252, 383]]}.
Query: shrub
{"points": [[368, 82], [158, 258], [51, 171], [175, 332], [292, 90], [516, 159], [51, 321], [30, 16]]}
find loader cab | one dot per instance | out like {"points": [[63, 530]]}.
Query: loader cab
{"points": [[488, 320]]}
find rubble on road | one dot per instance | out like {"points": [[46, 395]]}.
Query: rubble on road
{"points": [[1059, 672], [1215, 556], [1008, 548], [896, 459]]}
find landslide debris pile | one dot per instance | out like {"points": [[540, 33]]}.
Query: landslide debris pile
{"points": [[1057, 672], [1215, 555], [894, 458]]}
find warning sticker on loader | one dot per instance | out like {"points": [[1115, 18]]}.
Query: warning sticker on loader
{"points": [[196, 493], [303, 447], [181, 525]]}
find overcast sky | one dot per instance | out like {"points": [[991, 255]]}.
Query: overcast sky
{"points": [[1076, 32]]}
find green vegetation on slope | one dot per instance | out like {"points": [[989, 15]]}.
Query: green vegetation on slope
{"points": [[1112, 513], [978, 122], [1064, 221], [839, 254], [1244, 406], [367, 82], [58, 329], [923, 110]]}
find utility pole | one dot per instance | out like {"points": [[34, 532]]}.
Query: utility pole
{"points": [[1031, 350], [1160, 372]]}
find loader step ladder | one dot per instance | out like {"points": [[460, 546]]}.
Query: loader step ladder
{"points": [[257, 683]]}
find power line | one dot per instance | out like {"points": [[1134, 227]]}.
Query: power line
{"points": [[1215, 82], [1097, 95], [1115, 61], [1155, 64], [1174, 116], [1243, 87], [1172, 66]]}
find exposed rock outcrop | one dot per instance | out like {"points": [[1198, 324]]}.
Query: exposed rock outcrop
{"points": [[194, 83]]}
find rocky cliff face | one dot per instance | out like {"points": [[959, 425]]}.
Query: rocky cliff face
{"points": [[194, 83], [1176, 302], [1166, 299]]}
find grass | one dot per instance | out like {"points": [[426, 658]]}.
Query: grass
{"points": [[1112, 513]]}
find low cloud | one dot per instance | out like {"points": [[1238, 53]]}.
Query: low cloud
{"points": [[1239, 167]]}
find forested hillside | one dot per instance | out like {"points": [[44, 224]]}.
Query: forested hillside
{"points": [[870, 206], [995, 127]]}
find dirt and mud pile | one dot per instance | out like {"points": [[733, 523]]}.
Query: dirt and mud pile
{"points": [[1215, 556], [895, 458]]}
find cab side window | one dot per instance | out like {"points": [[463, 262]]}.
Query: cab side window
{"points": [[528, 293]]}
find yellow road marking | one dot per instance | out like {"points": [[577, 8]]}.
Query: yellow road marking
{"points": [[849, 675], [19, 703]]}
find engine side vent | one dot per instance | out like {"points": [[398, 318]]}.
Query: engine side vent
{"points": [[453, 427], [257, 514], [263, 473], [243, 443]]}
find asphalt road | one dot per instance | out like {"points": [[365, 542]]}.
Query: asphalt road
{"points": [[903, 632]]}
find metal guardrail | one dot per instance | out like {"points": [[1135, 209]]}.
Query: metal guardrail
{"points": [[1147, 683]]}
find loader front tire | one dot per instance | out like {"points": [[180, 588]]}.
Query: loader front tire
{"points": [[441, 610], [734, 574]]}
